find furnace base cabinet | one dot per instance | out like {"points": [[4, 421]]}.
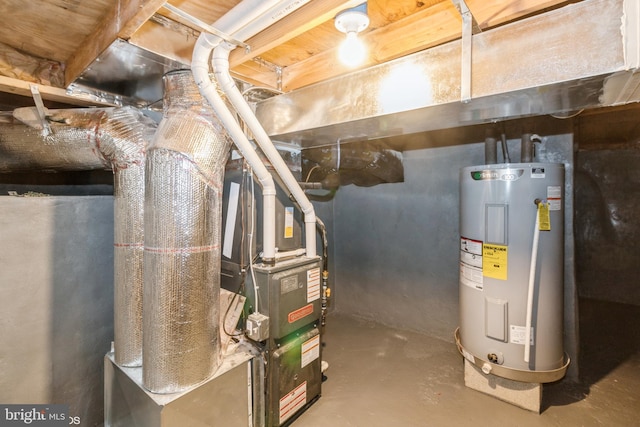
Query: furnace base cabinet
{"points": [[234, 396], [294, 377]]}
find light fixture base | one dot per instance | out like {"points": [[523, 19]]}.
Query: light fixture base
{"points": [[352, 20]]}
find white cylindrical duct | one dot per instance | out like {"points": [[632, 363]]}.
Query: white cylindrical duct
{"points": [[504, 285], [183, 199]]}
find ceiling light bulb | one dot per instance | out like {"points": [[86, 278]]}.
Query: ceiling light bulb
{"points": [[352, 51]]}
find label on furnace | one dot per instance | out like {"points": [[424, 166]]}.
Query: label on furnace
{"points": [[313, 284], [310, 351], [293, 401]]}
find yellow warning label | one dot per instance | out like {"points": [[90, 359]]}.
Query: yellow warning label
{"points": [[543, 217], [494, 261], [288, 222]]}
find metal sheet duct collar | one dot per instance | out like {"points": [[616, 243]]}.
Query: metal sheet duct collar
{"points": [[183, 199]]}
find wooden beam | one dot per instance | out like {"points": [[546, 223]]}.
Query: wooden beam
{"points": [[256, 75], [307, 17], [121, 21], [437, 24], [490, 13], [427, 28], [49, 93]]}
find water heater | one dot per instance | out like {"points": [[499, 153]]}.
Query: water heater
{"points": [[511, 270]]}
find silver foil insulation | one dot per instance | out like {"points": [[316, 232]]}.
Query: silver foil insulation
{"points": [[70, 146], [128, 160], [182, 233], [98, 138]]}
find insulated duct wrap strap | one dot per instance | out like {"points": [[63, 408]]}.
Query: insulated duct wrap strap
{"points": [[183, 199]]}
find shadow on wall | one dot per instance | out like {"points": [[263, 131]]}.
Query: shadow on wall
{"points": [[56, 301], [607, 247], [82, 314], [607, 226]]}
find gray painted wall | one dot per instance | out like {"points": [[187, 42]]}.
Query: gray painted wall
{"points": [[56, 301], [397, 245], [607, 224]]}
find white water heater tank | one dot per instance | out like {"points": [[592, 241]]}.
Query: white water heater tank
{"points": [[511, 270]]}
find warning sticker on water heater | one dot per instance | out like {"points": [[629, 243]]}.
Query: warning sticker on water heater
{"points": [[494, 261], [471, 263], [518, 335], [554, 197]]}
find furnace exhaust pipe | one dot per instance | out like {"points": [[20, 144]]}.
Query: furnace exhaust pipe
{"points": [[221, 70], [246, 19]]}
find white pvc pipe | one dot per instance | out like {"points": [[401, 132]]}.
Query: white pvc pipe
{"points": [[244, 13], [532, 281], [220, 62], [256, 14], [200, 70], [243, 21], [290, 254], [273, 11]]}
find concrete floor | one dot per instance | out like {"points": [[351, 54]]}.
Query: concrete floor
{"points": [[379, 376]]}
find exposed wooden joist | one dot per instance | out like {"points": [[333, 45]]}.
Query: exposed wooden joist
{"points": [[298, 22], [429, 27], [122, 21], [490, 13], [256, 75], [50, 93]]}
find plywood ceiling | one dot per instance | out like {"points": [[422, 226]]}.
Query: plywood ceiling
{"points": [[301, 49]]}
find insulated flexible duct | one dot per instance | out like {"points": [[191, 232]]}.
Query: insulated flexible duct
{"points": [[183, 199], [99, 138], [70, 146], [127, 157]]}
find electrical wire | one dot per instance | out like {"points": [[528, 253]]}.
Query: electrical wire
{"points": [[570, 116], [241, 288], [311, 170], [505, 149], [251, 232]]}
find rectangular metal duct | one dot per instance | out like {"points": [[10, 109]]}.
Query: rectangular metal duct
{"points": [[584, 55]]}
